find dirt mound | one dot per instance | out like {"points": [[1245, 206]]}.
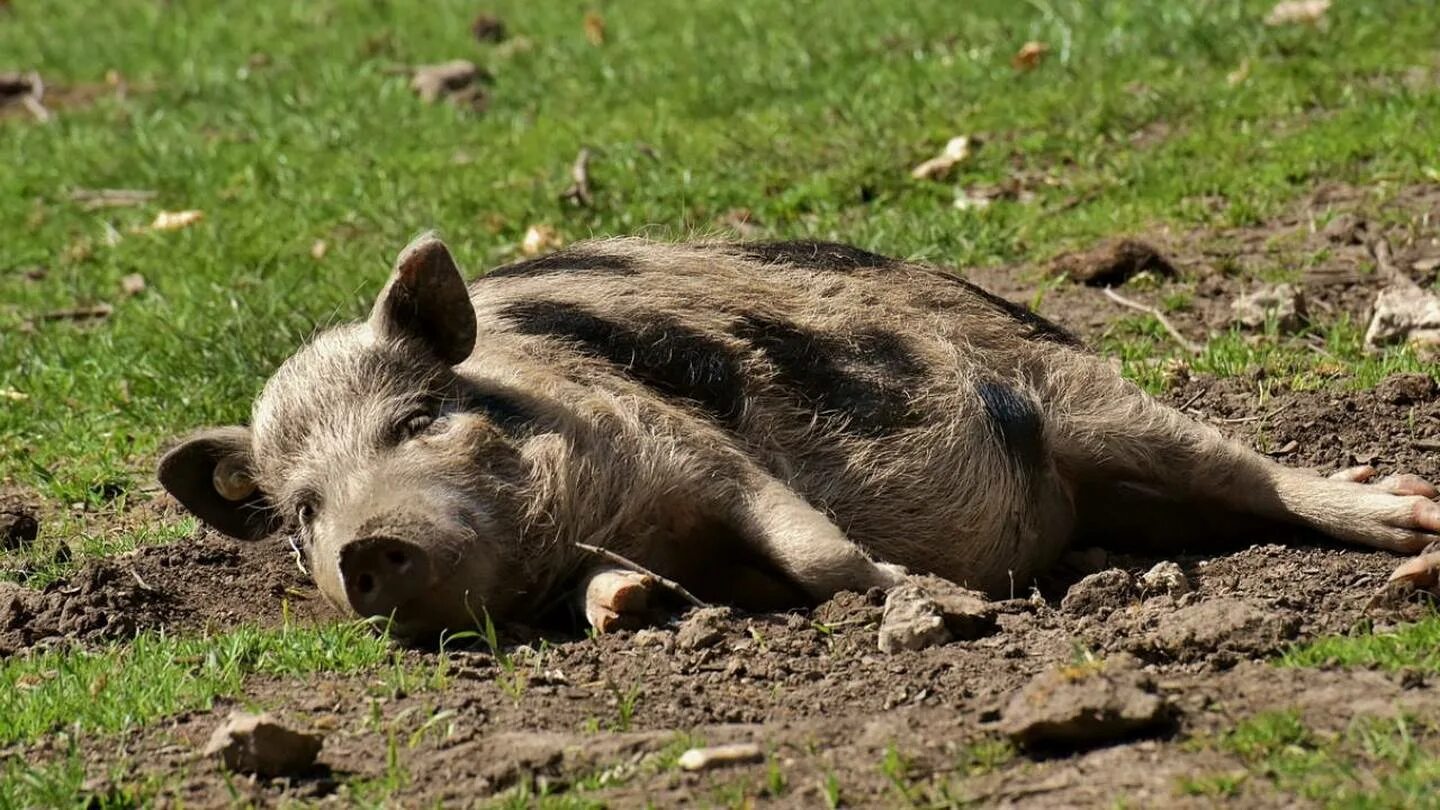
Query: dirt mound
{"points": [[205, 581]]}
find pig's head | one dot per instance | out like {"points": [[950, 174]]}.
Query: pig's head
{"points": [[397, 474]]}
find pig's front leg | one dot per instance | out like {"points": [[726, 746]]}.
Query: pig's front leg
{"points": [[804, 544]]}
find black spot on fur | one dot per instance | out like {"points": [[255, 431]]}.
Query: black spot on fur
{"points": [[666, 356], [504, 410], [830, 256], [1036, 326], [864, 379], [570, 260], [1017, 421]]}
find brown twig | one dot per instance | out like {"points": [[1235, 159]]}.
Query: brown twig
{"points": [[579, 190], [1238, 420], [1185, 343], [1427, 445], [1192, 400], [79, 313], [1384, 260], [670, 584]]}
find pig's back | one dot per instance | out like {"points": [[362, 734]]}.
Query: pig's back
{"points": [[868, 384]]}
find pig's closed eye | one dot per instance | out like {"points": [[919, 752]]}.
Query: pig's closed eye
{"points": [[414, 424]]}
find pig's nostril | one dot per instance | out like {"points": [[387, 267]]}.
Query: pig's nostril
{"points": [[365, 584], [398, 559]]}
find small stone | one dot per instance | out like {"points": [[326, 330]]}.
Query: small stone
{"points": [[1165, 577], [1404, 313], [1283, 302], [968, 614], [1406, 389], [18, 530], [702, 628], [258, 744], [1105, 590], [716, 756], [912, 621], [1084, 706]]}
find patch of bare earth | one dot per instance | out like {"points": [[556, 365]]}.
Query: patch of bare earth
{"points": [[1105, 673]]}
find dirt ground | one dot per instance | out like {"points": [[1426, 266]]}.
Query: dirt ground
{"points": [[811, 687]]}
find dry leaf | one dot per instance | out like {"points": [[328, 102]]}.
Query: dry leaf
{"points": [[319, 249], [594, 28], [1029, 55], [540, 239], [175, 220], [13, 395], [455, 80], [1291, 12], [955, 151], [1239, 74], [132, 284], [488, 28]]}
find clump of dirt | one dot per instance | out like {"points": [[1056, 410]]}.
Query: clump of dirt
{"points": [[204, 582], [1112, 263]]}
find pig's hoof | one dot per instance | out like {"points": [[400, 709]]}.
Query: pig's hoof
{"points": [[617, 599], [1397, 512]]}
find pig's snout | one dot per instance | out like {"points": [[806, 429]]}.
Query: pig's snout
{"points": [[381, 574]]}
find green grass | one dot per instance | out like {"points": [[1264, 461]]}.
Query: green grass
{"points": [[1408, 646], [124, 686], [812, 124], [1373, 763], [91, 695]]}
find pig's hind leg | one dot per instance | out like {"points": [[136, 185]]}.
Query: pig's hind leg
{"points": [[1108, 431]]}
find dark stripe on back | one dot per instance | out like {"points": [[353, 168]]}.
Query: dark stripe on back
{"points": [[1017, 422], [569, 260], [864, 380], [1036, 326], [675, 361], [809, 255]]}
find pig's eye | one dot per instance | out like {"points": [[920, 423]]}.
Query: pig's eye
{"points": [[414, 424], [305, 514]]}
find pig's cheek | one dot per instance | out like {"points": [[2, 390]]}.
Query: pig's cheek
{"points": [[325, 568]]}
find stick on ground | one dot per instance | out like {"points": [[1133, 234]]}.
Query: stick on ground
{"points": [[671, 584], [579, 190], [1185, 343]]}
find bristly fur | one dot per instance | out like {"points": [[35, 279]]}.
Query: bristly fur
{"points": [[784, 414]]}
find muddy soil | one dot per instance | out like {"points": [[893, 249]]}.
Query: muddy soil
{"points": [[833, 715]]}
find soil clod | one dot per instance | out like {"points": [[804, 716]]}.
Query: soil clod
{"points": [[1285, 303], [1406, 389], [1084, 706], [18, 529], [1112, 263], [1164, 578], [1222, 630], [258, 744], [912, 621], [1104, 591], [702, 628]]}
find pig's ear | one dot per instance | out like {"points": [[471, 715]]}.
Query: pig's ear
{"points": [[210, 473], [427, 300]]}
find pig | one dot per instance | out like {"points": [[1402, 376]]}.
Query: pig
{"points": [[764, 424]]}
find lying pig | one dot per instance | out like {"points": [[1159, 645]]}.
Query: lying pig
{"points": [[764, 424]]}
